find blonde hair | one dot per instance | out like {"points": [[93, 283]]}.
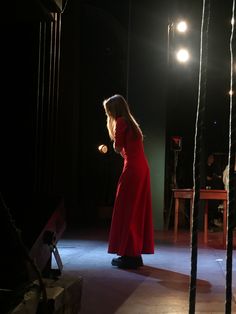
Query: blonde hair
{"points": [[116, 106]]}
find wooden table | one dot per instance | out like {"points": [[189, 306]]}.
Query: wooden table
{"points": [[204, 195]]}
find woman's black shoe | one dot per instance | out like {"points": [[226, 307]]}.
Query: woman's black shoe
{"points": [[127, 262], [116, 261]]}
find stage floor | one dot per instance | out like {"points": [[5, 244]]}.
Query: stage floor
{"points": [[160, 286]]}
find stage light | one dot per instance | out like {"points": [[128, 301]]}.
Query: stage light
{"points": [[103, 149], [177, 36], [182, 55], [231, 92], [182, 27]]}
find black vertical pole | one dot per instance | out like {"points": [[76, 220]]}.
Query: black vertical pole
{"points": [[197, 153], [231, 163]]}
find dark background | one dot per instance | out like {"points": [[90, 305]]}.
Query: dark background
{"points": [[49, 148], [59, 61]]}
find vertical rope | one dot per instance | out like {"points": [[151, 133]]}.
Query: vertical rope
{"points": [[40, 107], [37, 131], [53, 105], [231, 163], [128, 50], [57, 90], [200, 115]]}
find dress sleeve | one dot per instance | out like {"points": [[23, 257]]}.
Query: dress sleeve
{"points": [[121, 127]]}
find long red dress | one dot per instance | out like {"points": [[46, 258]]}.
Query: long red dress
{"points": [[131, 231]]}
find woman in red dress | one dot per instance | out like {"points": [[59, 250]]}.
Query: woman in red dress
{"points": [[131, 232]]}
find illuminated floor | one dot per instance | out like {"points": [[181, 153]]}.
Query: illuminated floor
{"points": [[161, 286]]}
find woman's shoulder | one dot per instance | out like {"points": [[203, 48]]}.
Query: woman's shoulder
{"points": [[121, 120], [121, 124]]}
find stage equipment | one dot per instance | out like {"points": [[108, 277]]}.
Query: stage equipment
{"points": [[176, 143], [27, 254]]}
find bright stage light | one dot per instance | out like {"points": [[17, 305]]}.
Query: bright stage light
{"points": [[231, 92], [182, 27], [182, 55], [103, 149]]}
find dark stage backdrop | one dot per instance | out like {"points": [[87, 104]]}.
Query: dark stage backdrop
{"points": [[57, 69], [49, 147], [27, 180]]}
